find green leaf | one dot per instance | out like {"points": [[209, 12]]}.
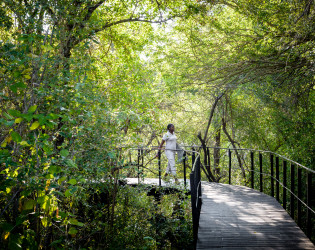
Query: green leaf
{"points": [[53, 116], [49, 176], [24, 143], [74, 221], [9, 123], [71, 163], [68, 193], [16, 136], [44, 201], [62, 179], [54, 169], [64, 152], [72, 230], [45, 221], [32, 109], [29, 204], [7, 116], [13, 88], [28, 117], [18, 120], [14, 112], [72, 181], [35, 125], [20, 85]]}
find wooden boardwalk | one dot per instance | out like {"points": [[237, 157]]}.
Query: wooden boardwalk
{"points": [[155, 182], [236, 217]]}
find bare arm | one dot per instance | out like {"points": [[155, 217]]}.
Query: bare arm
{"points": [[160, 147]]}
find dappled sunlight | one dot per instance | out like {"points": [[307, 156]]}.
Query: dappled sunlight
{"points": [[236, 216]]}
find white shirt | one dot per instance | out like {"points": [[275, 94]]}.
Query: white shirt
{"points": [[170, 140]]}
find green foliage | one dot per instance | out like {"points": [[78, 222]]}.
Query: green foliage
{"points": [[81, 79]]}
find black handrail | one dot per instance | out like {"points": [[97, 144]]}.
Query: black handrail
{"points": [[195, 180], [195, 190], [301, 178]]}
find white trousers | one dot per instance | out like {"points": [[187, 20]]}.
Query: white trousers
{"points": [[171, 169]]}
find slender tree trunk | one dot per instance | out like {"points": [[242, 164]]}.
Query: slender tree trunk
{"points": [[216, 152], [233, 144]]}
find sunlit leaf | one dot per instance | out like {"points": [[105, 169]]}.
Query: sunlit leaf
{"points": [[72, 181], [6, 235], [18, 120], [24, 143], [35, 125], [45, 221], [32, 109]]}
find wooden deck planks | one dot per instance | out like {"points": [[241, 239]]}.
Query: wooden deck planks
{"points": [[236, 217]]}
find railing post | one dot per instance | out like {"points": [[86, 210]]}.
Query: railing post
{"points": [[299, 204], [195, 190], [308, 202], [184, 163], [230, 165], [272, 176], [159, 163], [261, 173], [284, 190], [292, 191], [193, 205], [252, 169], [277, 177], [138, 165], [199, 186]]}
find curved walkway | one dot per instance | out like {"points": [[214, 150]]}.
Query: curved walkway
{"points": [[236, 217]]}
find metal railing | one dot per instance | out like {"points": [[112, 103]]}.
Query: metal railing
{"points": [[195, 175], [147, 155], [288, 181], [195, 190]]}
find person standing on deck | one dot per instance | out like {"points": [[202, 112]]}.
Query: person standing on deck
{"points": [[170, 148]]}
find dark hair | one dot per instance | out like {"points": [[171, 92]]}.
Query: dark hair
{"points": [[169, 126]]}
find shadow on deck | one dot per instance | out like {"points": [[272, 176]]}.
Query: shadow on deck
{"points": [[237, 217]]}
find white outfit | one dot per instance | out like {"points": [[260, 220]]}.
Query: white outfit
{"points": [[170, 147]]}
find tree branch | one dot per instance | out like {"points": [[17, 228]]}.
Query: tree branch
{"points": [[211, 114], [91, 9]]}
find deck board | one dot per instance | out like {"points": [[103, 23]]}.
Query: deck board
{"points": [[236, 217]]}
